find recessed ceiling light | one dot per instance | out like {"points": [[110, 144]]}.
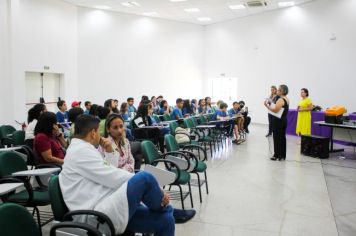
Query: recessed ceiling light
{"points": [[130, 4], [204, 19], [237, 7], [192, 10], [286, 4], [178, 0], [102, 7], [151, 13]]}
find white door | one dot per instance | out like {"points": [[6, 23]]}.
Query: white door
{"points": [[48, 87]]}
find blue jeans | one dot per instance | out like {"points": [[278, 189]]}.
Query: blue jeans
{"points": [[150, 217]]}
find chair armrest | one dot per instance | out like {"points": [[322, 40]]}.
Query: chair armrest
{"points": [[185, 156], [26, 183], [193, 146], [91, 231], [101, 217], [169, 165]]}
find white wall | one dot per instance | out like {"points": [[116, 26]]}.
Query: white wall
{"points": [[290, 46], [43, 33], [6, 109], [121, 55]]}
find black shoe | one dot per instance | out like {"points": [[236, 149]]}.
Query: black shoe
{"points": [[274, 158], [182, 216], [269, 134]]}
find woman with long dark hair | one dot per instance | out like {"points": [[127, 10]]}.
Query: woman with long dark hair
{"points": [[49, 140], [33, 114]]}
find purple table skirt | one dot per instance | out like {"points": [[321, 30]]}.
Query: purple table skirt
{"points": [[315, 129], [352, 116]]}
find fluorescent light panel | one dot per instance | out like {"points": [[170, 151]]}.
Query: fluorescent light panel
{"points": [[204, 19], [237, 7], [192, 10], [130, 4], [102, 7], [151, 13], [286, 4], [178, 0]]}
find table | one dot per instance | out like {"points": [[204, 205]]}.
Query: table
{"points": [[205, 126], [37, 172], [350, 125], [10, 149], [323, 131], [8, 187], [352, 116]]}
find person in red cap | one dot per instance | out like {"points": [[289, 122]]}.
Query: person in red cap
{"points": [[76, 104]]}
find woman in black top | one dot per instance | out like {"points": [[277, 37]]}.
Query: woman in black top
{"points": [[280, 124]]}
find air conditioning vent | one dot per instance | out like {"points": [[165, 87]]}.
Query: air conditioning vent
{"points": [[256, 3]]}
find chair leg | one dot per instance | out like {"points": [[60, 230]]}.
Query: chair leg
{"points": [[200, 197], [211, 149], [191, 195], [206, 183], [38, 220], [181, 196]]}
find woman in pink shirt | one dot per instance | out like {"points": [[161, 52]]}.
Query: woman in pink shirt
{"points": [[121, 157]]}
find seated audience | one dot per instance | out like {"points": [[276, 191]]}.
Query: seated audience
{"points": [[202, 109], [33, 114], [94, 110], [124, 111], [177, 111], [239, 120], [87, 105], [76, 104], [209, 108], [221, 115], [49, 140], [244, 112], [187, 108], [62, 114], [121, 157], [155, 105], [110, 104], [164, 108], [72, 116], [144, 100], [143, 119], [132, 108], [103, 112], [115, 106], [133, 202], [194, 105]]}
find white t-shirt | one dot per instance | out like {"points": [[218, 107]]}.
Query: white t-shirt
{"points": [[30, 130]]}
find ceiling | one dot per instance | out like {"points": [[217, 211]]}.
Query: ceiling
{"points": [[216, 10]]}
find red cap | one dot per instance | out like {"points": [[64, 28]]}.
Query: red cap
{"points": [[76, 103]]}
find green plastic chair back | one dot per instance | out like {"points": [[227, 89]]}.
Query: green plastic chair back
{"points": [[157, 119], [58, 205], [195, 121], [173, 126], [188, 123], [171, 143], [203, 120], [15, 220], [166, 117], [5, 130], [11, 162], [149, 151], [18, 137]]}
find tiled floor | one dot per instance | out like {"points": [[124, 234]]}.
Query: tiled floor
{"points": [[251, 195]]}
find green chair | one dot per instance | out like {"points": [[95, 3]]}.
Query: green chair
{"points": [[167, 117], [153, 157], [172, 146], [5, 134], [18, 137], [11, 162], [61, 212], [157, 119], [15, 220]]}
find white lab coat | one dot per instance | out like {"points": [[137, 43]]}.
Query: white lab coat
{"points": [[88, 183]]}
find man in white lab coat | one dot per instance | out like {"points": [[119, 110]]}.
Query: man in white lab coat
{"points": [[87, 182]]}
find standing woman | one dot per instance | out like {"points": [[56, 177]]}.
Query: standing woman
{"points": [[304, 113], [273, 99], [280, 124]]}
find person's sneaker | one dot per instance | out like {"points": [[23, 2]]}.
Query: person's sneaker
{"points": [[183, 216]]}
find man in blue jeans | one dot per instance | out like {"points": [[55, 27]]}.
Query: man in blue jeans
{"points": [[88, 182]]}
